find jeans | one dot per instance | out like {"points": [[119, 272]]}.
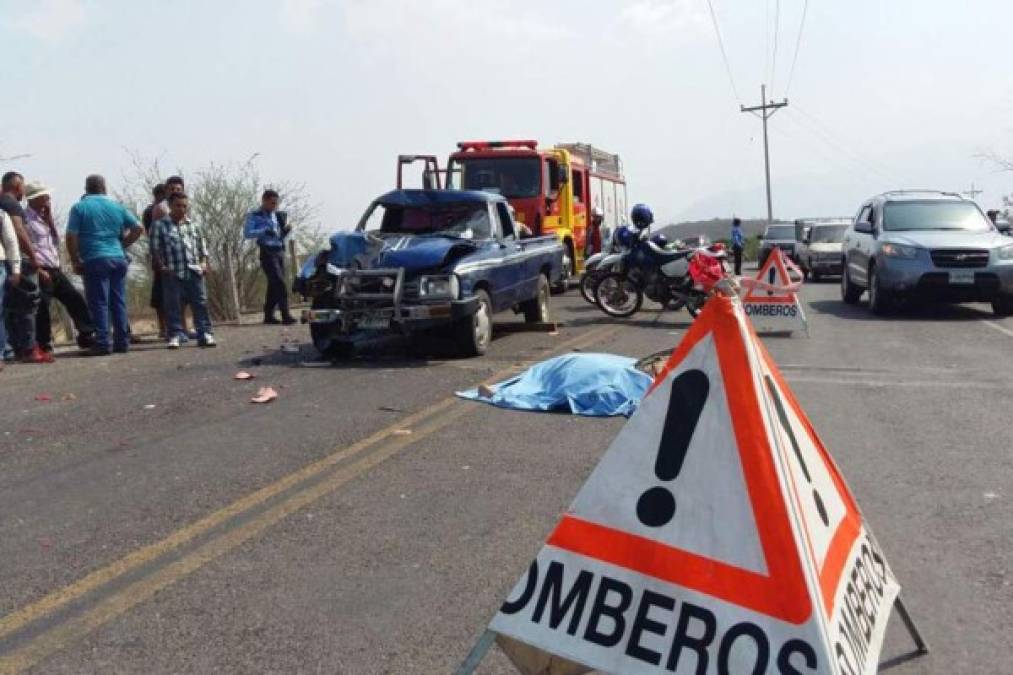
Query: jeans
{"points": [[21, 321], [273, 264], [737, 253], [3, 320], [60, 288], [105, 286], [177, 292]]}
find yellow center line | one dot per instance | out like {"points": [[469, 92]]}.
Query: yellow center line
{"points": [[428, 420]]}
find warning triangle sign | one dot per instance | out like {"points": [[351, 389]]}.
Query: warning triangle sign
{"points": [[715, 530], [775, 282], [771, 301]]}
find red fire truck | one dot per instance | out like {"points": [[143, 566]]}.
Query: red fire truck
{"points": [[551, 189]]}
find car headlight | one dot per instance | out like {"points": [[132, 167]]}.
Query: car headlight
{"points": [[441, 287], [899, 251], [1006, 252]]}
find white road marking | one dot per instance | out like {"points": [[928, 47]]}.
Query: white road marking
{"points": [[932, 384], [1001, 329]]}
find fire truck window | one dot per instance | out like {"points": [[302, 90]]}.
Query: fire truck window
{"points": [[578, 186], [550, 177], [508, 176]]}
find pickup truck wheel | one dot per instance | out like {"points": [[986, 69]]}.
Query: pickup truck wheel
{"points": [[474, 333], [1002, 305], [536, 310], [323, 339], [850, 293]]}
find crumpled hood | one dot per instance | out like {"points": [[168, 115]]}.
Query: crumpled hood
{"points": [[416, 254], [946, 239]]}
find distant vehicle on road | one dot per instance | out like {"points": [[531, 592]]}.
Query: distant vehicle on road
{"points": [[697, 241], [926, 244], [778, 236], [428, 260], [819, 248]]}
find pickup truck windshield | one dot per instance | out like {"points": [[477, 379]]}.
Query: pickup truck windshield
{"points": [[780, 233], [507, 176], [934, 215], [827, 234], [465, 220]]}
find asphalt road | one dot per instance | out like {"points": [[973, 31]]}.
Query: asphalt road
{"points": [[153, 520]]}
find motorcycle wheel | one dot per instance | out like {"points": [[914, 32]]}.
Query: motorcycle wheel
{"points": [[588, 284], [617, 296]]}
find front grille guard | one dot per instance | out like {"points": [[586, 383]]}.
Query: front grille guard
{"points": [[371, 289]]}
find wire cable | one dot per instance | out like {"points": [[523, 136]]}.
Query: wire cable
{"points": [[798, 42], [724, 54], [773, 58]]}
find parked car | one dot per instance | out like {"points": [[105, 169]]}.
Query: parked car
{"points": [[819, 250], [928, 245], [440, 261], [778, 236]]}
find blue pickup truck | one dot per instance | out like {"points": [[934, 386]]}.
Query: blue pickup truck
{"points": [[437, 261]]}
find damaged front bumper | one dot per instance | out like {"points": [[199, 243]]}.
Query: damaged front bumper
{"points": [[377, 301], [404, 319]]}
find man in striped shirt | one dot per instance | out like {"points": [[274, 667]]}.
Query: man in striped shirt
{"points": [[178, 245]]}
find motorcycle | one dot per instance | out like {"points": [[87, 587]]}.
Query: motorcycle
{"points": [[662, 275], [609, 259]]}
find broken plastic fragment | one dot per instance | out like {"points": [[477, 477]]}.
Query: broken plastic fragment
{"points": [[243, 375]]}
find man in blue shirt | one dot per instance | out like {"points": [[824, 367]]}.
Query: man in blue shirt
{"points": [[738, 244], [98, 232], [269, 227]]}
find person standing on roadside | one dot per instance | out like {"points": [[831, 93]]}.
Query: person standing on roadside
{"points": [[270, 227], [21, 315], [98, 232], [738, 244], [46, 242], [179, 246], [158, 193], [10, 255], [160, 209]]}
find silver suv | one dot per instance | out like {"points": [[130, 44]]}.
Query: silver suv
{"points": [[927, 245]]}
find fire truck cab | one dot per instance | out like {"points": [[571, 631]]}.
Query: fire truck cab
{"points": [[552, 190]]}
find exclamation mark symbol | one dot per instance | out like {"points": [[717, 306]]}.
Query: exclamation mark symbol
{"points": [[771, 278], [782, 416], [656, 507]]}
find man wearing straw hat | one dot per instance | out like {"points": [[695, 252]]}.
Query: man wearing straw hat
{"points": [[46, 243]]}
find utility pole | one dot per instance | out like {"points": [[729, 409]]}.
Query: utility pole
{"points": [[972, 193], [761, 111]]}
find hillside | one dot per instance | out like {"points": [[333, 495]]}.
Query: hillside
{"points": [[716, 228]]}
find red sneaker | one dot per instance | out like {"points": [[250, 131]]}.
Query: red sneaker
{"points": [[36, 355]]}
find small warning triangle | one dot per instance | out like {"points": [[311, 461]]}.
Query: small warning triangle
{"points": [[716, 513], [775, 282]]}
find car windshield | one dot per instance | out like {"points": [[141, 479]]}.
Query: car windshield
{"points": [[507, 176], [827, 234], [468, 220], [780, 232], [934, 215]]}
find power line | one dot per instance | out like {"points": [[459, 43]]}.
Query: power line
{"points": [[846, 145], [798, 42], [724, 54], [773, 59]]}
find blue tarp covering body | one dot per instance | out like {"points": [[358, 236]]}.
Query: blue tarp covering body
{"points": [[596, 385]]}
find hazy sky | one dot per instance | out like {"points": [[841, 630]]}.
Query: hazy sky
{"points": [[885, 94]]}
